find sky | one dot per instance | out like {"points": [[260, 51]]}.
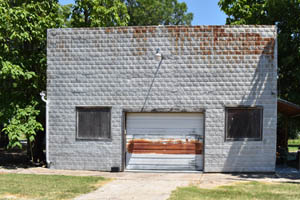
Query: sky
{"points": [[206, 12]]}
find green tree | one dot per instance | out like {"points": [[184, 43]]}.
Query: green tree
{"points": [[23, 123], [286, 15], [245, 12], [23, 27], [64, 13], [157, 12], [99, 13]]}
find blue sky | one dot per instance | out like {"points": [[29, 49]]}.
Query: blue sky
{"points": [[206, 12]]}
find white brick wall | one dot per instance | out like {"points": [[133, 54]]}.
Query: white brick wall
{"points": [[205, 67]]}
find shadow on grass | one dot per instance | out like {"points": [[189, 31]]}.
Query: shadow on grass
{"points": [[293, 145], [295, 183], [292, 174], [286, 170]]}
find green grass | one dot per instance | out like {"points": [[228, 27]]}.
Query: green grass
{"points": [[293, 144], [240, 191], [46, 187]]}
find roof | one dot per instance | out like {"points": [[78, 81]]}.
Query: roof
{"points": [[287, 108]]}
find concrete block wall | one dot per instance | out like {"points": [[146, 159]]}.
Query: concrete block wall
{"points": [[204, 67]]}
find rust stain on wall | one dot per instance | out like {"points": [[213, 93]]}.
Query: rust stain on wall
{"points": [[211, 40], [139, 146]]}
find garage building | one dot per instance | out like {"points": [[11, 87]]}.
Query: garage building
{"points": [[162, 98]]}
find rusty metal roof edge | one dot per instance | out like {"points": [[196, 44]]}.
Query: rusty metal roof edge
{"points": [[170, 26], [279, 100], [288, 102]]}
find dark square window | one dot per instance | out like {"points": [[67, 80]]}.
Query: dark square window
{"points": [[93, 122], [244, 123]]}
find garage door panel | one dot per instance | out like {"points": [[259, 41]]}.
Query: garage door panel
{"points": [[159, 131], [154, 160], [158, 123], [160, 167], [164, 156], [164, 120], [164, 141], [163, 162], [160, 136], [179, 115]]}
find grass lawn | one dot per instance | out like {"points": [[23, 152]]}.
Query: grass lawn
{"points": [[23, 186], [293, 144], [240, 191]]}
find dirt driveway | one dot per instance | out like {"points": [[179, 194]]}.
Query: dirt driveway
{"points": [[154, 186], [146, 186]]}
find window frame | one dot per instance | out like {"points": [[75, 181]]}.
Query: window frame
{"points": [[260, 108], [96, 138]]}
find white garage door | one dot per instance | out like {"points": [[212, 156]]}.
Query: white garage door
{"points": [[164, 141]]}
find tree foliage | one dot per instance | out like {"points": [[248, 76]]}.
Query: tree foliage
{"points": [[64, 13], [286, 15], [99, 13], [103, 13], [23, 123], [245, 12], [23, 26], [157, 12]]}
